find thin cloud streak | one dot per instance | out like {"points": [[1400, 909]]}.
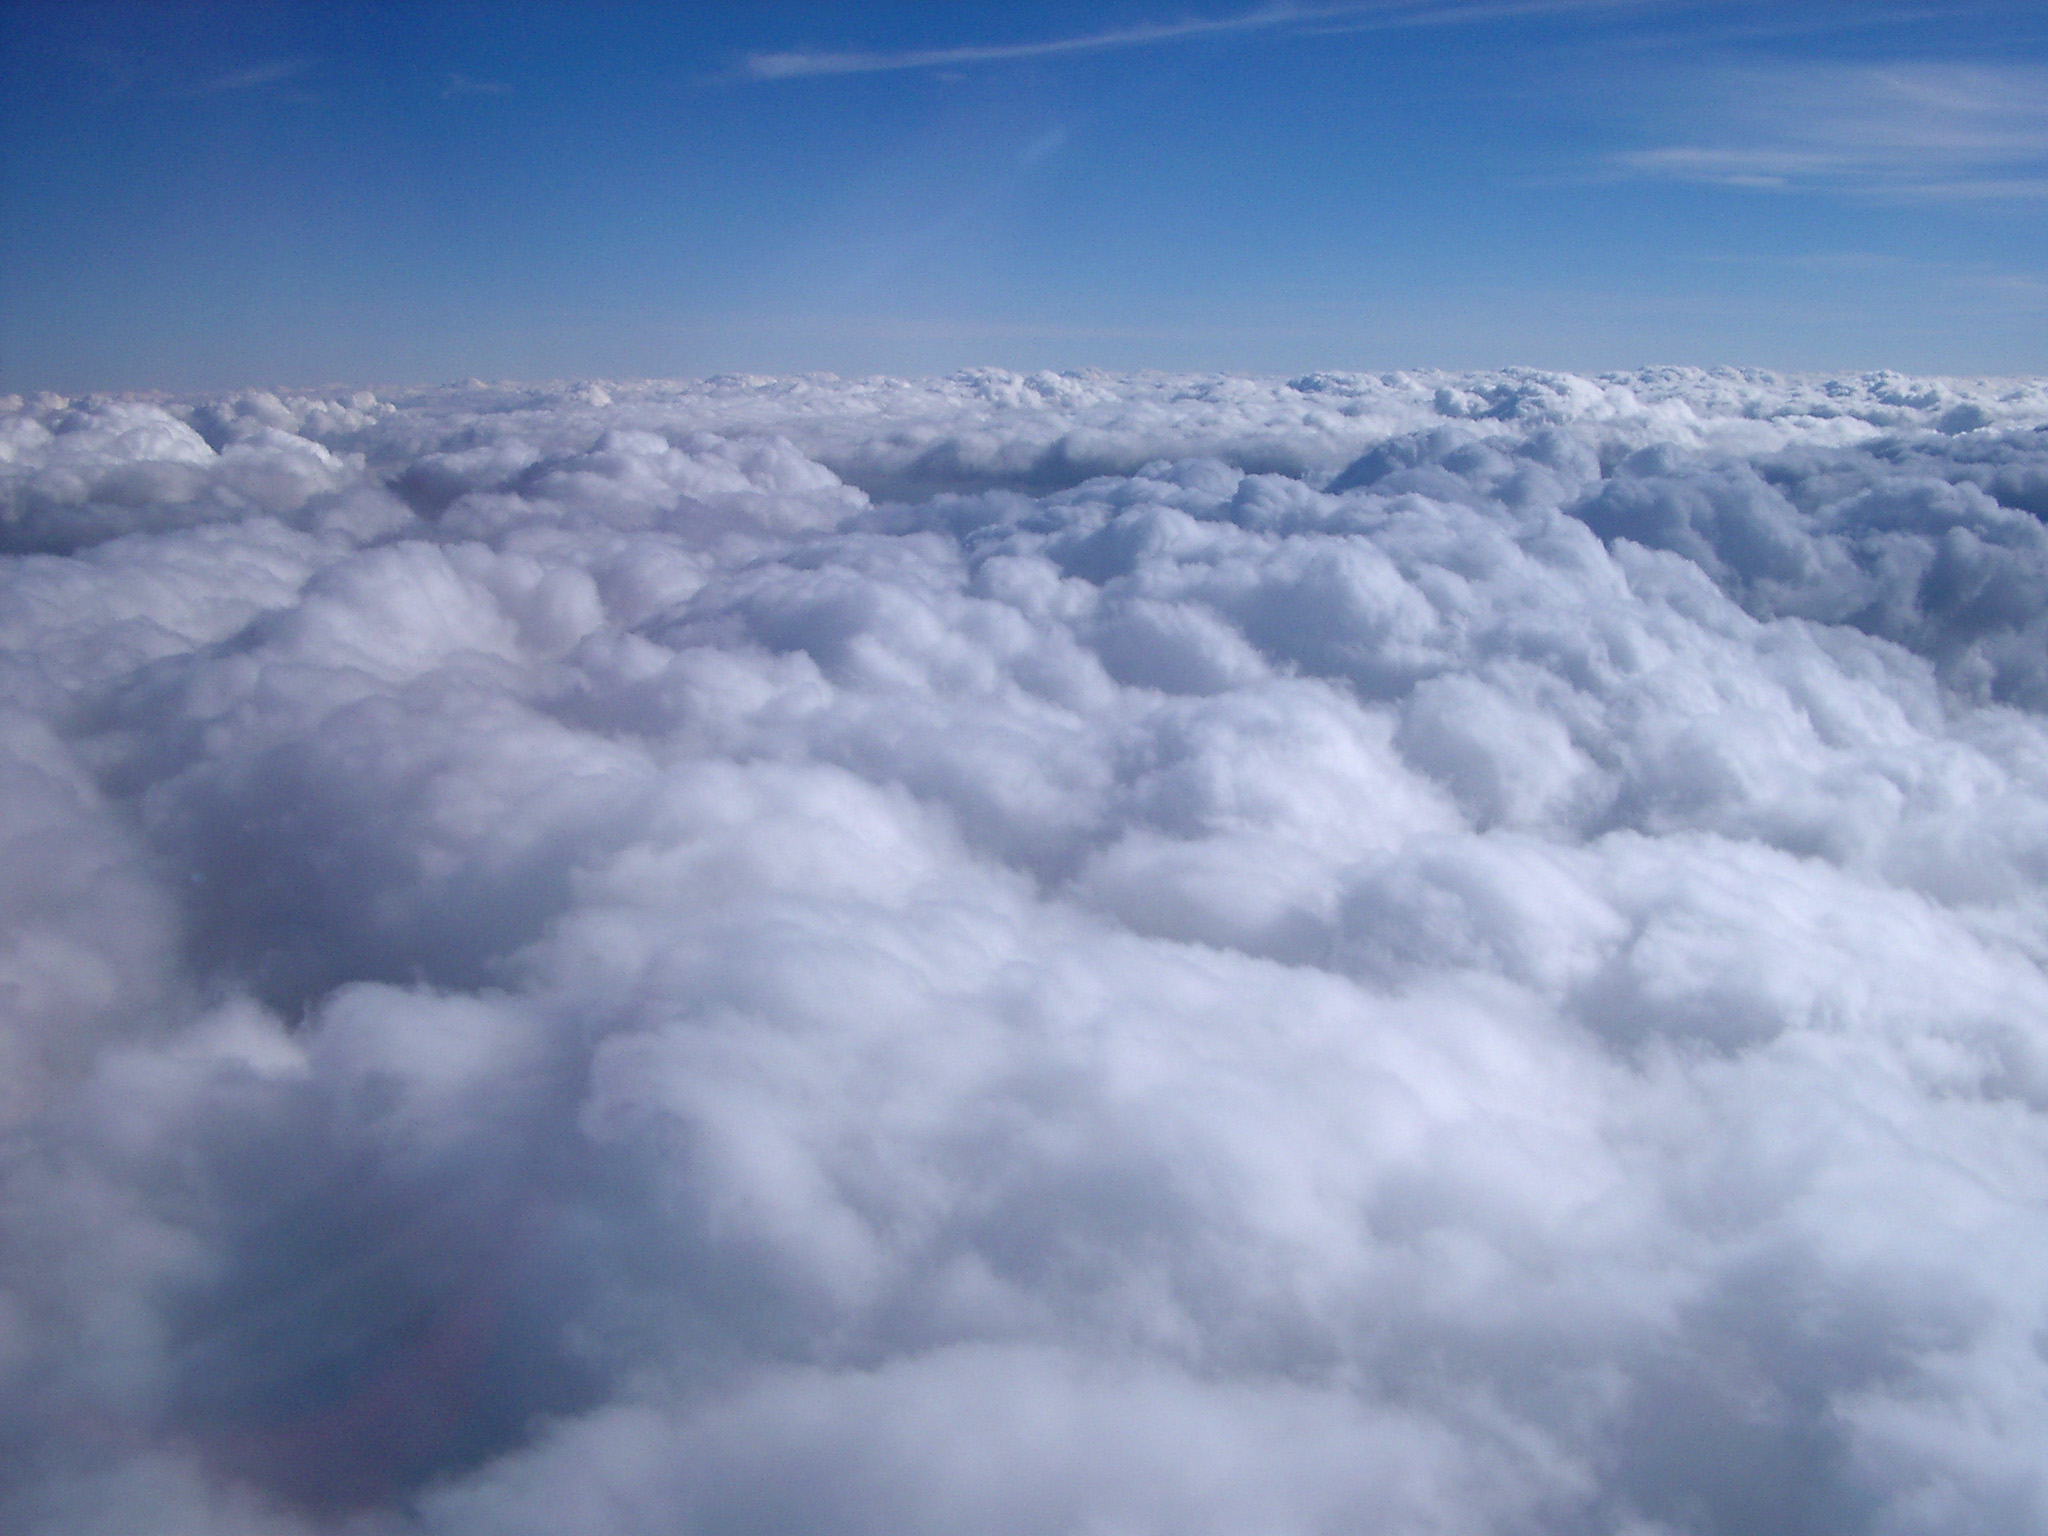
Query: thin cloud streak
{"points": [[253, 77], [1389, 19], [464, 85], [802, 63], [1959, 132]]}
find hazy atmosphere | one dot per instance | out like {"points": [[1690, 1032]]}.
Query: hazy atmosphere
{"points": [[1217, 772], [202, 197]]}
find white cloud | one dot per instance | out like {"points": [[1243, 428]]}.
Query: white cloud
{"points": [[249, 78], [1919, 130], [1426, 952], [469, 85], [1372, 14]]}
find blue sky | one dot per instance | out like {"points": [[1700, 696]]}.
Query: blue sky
{"points": [[209, 196]]}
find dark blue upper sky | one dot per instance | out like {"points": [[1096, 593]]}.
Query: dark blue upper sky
{"points": [[204, 196]]}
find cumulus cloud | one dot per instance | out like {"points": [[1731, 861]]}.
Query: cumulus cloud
{"points": [[1439, 953]]}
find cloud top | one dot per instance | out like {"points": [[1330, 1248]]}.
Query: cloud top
{"points": [[1419, 952]]}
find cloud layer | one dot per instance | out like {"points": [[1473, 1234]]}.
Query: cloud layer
{"points": [[1022, 954]]}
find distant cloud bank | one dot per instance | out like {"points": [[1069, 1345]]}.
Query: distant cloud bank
{"points": [[1412, 953]]}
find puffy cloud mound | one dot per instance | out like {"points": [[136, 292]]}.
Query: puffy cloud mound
{"points": [[1438, 954]]}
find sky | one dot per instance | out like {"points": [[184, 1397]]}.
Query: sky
{"points": [[212, 196]]}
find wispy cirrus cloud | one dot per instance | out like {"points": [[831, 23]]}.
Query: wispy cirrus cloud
{"points": [[1916, 130], [468, 85], [800, 63], [249, 78]]}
